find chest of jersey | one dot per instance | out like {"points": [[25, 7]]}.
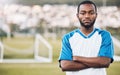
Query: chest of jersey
{"points": [[88, 47]]}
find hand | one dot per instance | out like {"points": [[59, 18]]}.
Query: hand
{"points": [[75, 58]]}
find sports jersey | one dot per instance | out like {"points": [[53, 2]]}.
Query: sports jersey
{"points": [[97, 44]]}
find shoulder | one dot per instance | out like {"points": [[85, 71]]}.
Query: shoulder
{"points": [[69, 34], [103, 32]]}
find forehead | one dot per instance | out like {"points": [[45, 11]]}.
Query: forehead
{"points": [[87, 7]]}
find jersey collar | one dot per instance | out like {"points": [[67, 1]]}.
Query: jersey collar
{"points": [[84, 36]]}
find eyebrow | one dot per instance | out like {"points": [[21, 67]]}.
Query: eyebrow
{"points": [[86, 11]]}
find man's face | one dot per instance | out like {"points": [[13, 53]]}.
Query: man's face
{"points": [[87, 15]]}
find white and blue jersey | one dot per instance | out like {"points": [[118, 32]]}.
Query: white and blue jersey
{"points": [[97, 44]]}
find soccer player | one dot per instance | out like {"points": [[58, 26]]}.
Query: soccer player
{"points": [[86, 50]]}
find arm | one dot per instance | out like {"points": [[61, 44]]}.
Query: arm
{"points": [[66, 59], [67, 65], [105, 55], [94, 62]]}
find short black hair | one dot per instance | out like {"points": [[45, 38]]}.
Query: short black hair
{"points": [[87, 2]]}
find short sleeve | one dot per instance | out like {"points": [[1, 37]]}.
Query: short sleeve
{"points": [[66, 52], [106, 48]]}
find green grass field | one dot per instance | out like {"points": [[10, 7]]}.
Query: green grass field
{"points": [[46, 68]]}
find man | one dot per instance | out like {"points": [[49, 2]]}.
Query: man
{"points": [[86, 50]]}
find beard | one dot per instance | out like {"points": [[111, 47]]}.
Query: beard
{"points": [[87, 26]]}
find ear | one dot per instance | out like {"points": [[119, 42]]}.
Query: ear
{"points": [[96, 14], [77, 15]]}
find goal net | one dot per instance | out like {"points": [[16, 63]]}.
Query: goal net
{"points": [[25, 49]]}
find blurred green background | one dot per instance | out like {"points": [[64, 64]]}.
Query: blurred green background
{"points": [[71, 2], [54, 39]]}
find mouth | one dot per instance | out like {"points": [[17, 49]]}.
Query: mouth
{"points": [[87, 21]]}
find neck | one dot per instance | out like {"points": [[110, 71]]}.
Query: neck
{"points": [[86, 31]]}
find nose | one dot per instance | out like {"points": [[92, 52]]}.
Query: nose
{"points": [[87, 15]]}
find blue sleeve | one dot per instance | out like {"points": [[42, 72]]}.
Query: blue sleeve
{"points": [[106, 48], [66, 52]]}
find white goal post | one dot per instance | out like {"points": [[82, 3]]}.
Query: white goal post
{"points": [[37, 57], [1, 51]]}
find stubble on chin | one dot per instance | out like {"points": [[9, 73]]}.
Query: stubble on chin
{"points": [[87, 26]]}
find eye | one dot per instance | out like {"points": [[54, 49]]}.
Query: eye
{"points": [[91, 13], [82, 13]]}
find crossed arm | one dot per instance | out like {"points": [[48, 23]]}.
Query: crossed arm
{"points": [[79, 63]]}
